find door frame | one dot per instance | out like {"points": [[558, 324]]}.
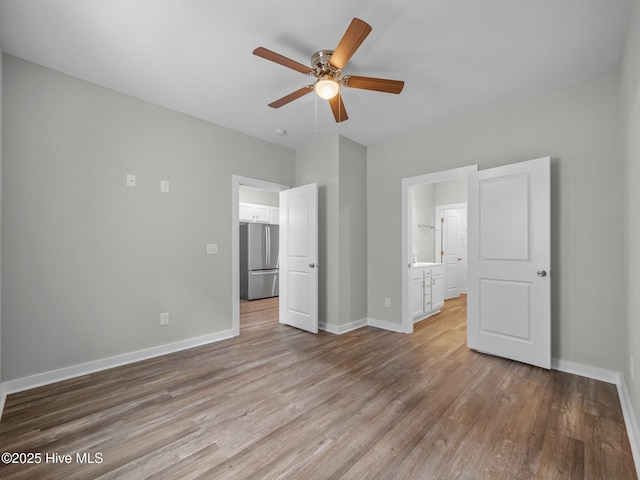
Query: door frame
{"points": [[407, 183], [236, 182]]}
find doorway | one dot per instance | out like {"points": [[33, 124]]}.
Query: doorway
{"points": [[451, 246], [408, 255], [242, 183]]}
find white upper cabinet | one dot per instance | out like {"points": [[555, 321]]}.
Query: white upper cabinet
{"points": [[251, 212], [274, 215]]}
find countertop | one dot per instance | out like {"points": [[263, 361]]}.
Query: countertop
{"points": [[426, 264]]}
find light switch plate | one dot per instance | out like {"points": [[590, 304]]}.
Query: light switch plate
{"points": [[131, 180], [212, 248], [164, 186]]}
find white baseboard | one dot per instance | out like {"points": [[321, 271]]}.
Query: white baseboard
{"points": [[383, 324], [340, 329], [630, 422], [617, 379], [3, 398], [588, 371], [46, 378]]}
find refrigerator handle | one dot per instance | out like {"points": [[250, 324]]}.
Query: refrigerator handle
{"points": [[266, 245]]}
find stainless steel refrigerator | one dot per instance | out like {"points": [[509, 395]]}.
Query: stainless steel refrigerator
{"points": [[259, 246]]}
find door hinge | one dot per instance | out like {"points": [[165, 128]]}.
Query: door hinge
{"points": [[442, 253], [442, 220]]}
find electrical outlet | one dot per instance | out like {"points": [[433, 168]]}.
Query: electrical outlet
{"points": [[164, 186], [631, 366], [164, 319], [387, 302], [212, 248], [131, 180]]}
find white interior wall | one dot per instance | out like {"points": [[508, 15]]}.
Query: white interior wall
{"points": [[578, 126], [318, 163], [352, 170], [91, 263], [1, 163], [559, 123], [423, 203], [451, 192], [630, 109], [338, 166], [258, 196]]}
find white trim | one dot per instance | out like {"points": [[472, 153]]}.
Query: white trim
{"points": [[53, 376], [596, 373], [3, 398], [340, 329], [630, 422], [407, 183], [46, 378], [616, 378], [236, 181], [430, 314], [384, 325]]}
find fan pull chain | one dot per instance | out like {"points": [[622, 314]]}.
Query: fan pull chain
{"points": [[316, 112], [339, 105]]}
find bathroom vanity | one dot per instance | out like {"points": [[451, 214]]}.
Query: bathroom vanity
{"points": [[427, 289]]}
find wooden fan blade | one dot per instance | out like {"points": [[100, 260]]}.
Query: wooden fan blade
{"points": [[370, 83], [282, 60], [291, 97], [351, 40], [337, 105]]}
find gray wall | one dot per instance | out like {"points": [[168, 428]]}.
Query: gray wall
{"points": [[578, 126], [259, 197], [423, 210], [451, 192], [1, 115], [88, 263], [424, 200], [631, 126], [338, 166], [353, 231], [318, 163]]}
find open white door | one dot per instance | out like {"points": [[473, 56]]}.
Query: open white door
{"points": [[509, 300], [299, 257]]}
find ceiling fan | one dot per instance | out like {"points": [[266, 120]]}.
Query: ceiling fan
{"points": [[327, 65]]}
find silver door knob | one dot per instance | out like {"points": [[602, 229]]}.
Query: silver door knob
{"points": [[312, 265], [542, 273]]}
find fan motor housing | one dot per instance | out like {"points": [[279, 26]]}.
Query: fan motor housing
{"points": [[320, 62]]}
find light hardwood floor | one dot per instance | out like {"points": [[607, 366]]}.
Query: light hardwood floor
{"points": [[279, 403]]}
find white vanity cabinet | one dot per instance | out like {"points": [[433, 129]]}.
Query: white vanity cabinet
{"points": [[437, 287], [254, 213], [427, 289], [417, 292]]}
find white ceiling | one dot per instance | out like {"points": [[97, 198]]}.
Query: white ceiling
{"points": [[194, 56]]}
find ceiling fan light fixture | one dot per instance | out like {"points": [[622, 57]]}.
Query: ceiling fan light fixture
{"points": [[326, 87]]}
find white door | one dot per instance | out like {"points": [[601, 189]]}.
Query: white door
{"points": [[509, 299], [451, 257], [299, 257]]}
